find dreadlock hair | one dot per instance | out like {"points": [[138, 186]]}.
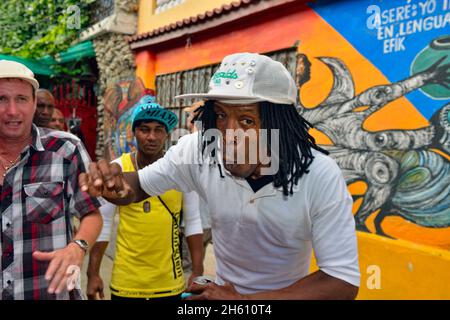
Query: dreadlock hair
{"points": [[208, 117], [295, 143]]}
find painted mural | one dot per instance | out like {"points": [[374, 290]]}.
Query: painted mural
{"points": [[119, 100], [404, 175], [398, 170]]}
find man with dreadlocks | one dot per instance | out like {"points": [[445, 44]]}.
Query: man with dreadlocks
{"points": [[267, 216]]}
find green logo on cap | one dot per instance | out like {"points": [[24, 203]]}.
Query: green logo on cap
{"points": [[224, 75]]}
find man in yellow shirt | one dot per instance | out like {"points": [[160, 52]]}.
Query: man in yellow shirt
{"points": [[147, 262]]}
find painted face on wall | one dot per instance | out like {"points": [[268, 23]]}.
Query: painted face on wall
{"points": [[17, 107], [240, 152], [303, 71], [44, 109], [150, 137]]}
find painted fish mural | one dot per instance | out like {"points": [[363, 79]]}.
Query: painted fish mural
{"points": [[407, 172]]}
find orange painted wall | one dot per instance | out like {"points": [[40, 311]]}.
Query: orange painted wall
{"points": [[145, 68]]}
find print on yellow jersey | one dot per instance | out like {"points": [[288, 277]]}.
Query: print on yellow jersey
{"points": [[176, 257]]}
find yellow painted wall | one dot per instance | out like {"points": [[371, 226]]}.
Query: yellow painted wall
{"points": [[148, 21], [407, 270]]}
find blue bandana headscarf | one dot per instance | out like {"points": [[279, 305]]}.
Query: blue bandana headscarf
{"points": [[147, 110]]}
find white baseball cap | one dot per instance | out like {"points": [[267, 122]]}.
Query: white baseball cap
{"points": [[13, 69], [247, 78]]}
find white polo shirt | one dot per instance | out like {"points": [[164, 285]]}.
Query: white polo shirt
{"points": [[263, 241]]}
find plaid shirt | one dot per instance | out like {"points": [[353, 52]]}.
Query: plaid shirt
{"points": [[38, 198]]}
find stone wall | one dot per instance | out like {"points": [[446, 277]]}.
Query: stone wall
{"points": [[115, 61]]}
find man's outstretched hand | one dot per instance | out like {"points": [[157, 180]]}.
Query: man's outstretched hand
{"points": [[105, 180], [62, 263]]}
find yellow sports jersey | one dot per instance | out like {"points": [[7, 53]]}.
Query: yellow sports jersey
{"points": [[148, 262]]}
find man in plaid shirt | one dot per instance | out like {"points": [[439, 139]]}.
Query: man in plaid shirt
{"points": [[39, 194]]}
